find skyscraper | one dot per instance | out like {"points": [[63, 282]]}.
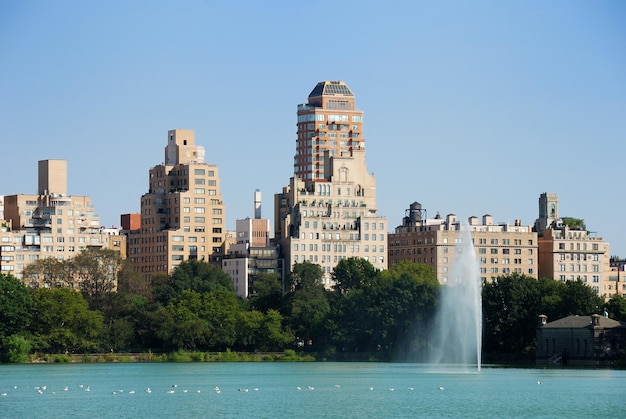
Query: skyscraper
{"points": [[328, 212], [328, 122], [182, 215]]}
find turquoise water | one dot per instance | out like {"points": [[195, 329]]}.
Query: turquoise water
{"points": [[308, 390]]}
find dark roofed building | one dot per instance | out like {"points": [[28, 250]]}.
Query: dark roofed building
{"points": [[592, 340]]}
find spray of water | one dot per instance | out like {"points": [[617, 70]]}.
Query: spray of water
{"points": [[456, 336]]}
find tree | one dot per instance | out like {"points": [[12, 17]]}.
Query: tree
{"points": [[616, 307], [511, 306], [193, 275], [352, 273], [16, 349], [62, 321], [307, 305], [580, 299], [97, 272], [48, 272], [16, 306], [183, 327], [268, 293], [399, 304]]}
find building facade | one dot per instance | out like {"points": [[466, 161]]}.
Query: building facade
{"points": [[51, 224], [571, 253], [182, 214], [328, 212], [252, 254], [501, 249], [328, 122], [580, 340]]}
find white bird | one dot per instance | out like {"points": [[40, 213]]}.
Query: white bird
{"points": [[170, 391], [131, 392], [311, 388], [197, 391], [391, 389], [440, 388], [256, 389], [411, 388], [298, 388], [185, 390], [371, 388], [337, 386], [148, 390], [539, 382], [3, 394], [65, 388]]}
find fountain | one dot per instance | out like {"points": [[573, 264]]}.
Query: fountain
{"points": [[456, 338]]}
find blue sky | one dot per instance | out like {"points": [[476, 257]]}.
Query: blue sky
{"points": [[470, 108]]}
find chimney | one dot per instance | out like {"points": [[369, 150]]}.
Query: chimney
{"points": [[257, 204]]}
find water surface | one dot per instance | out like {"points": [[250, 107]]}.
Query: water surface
{"points": [[312, 390]]}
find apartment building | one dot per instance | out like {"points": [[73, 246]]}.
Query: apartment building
{"points": [[252, 254], [501, 249], [182, 214], [51, 224], [568, 253], [328, 122], [328, 212]]}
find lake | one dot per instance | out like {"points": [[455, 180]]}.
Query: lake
{"points": [[311, 390]]}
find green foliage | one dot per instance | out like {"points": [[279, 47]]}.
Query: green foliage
{"points": [[512, 304], [307, 304], [62, 322], [192, 275], [16, 306], [268, 293], [616, 307], [352, 274], [382, 312], [16, 349], [62, 358], [574, 223], [94, 271]]}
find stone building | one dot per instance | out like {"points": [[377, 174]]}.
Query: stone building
{"points": [[182, 214], [328, 212], [51, 224], [501, 249], [582, 340]]}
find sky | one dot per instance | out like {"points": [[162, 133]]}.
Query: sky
{"points": [[470, 108]]}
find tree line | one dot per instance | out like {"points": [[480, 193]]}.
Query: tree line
{"points": [[367, 315]]}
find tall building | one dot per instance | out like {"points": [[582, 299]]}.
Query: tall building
{"points": [[51, 224], [501, 249], [568, 253], [328, 122], [182, 215], [328, 212], [252, 254]]}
